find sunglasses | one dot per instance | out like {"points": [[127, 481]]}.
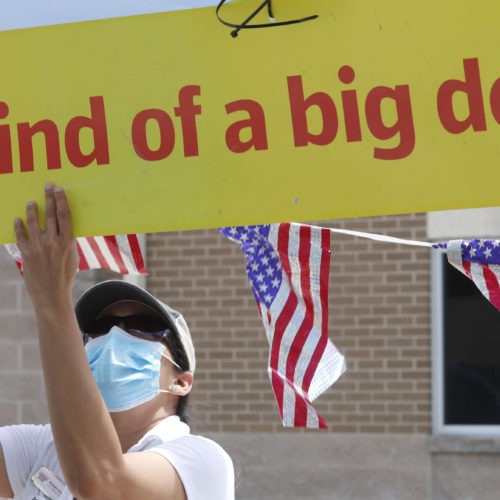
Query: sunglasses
{"points": [[142, 326]]}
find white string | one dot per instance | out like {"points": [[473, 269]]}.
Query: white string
{"points": [[383, 238]]}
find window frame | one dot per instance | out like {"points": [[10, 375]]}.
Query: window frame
{"points": [[439, 427]]}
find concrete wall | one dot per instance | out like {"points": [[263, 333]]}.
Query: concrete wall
{"points": [[321, 466]]}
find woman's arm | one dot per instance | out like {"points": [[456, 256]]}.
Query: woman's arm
{"points": [[87, 444]]}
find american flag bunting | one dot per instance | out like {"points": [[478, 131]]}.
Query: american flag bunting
{"points": [[120, 253], [478, 259], [288, 268]]}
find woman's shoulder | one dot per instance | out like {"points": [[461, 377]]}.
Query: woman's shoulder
{"points": [[197, 447], [27, 432], [205, 468]]}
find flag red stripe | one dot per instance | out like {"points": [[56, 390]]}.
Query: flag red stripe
{"points": [[322, 422], [276, 381], [291, 302], [307, 323], [133, 241], [284, 318], [281, 323], [324, 285], [112, 245], [466, 265], [83, 263], [97, 252], [300, 417], [278, 389], [492, 285]]}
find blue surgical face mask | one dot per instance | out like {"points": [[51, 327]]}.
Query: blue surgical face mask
{"points": [[125, 368]]}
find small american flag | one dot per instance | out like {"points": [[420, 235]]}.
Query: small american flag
{"points": [[288, 268], [479, 259], [120, 253]]}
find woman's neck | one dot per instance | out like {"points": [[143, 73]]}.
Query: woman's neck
{"points": [[133, 424]]}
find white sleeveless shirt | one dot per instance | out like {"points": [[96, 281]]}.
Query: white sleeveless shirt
{"points": [[204, 468]]}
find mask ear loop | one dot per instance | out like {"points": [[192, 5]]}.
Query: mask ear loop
{"points": [[245, 25], [172, 361], [174, 387]]}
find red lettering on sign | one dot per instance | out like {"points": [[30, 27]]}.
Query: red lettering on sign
{"points": [[26, 132], [97, 124], [140, 135], [44, 135], [350, 106], [187, 112], [6, 166], [300, 105], [471, 87], [256, 123], [495, 100], [403, 126]]}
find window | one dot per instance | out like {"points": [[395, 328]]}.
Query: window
{"points": [[466, 355]]}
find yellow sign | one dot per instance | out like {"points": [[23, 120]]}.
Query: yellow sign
{"points": [[164, 121]]}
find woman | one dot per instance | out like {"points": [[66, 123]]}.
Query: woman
{"points": [[116, 398]]}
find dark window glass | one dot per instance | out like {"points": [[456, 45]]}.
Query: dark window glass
{"points": [[471, 353]]}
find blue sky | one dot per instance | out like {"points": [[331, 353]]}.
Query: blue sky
{"points": [[28, 13]]}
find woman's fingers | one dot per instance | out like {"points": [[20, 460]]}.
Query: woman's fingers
{"points": [[51, 223], [32, 221], [49, 255], [20, 233], [57, 218], [63, 213]]}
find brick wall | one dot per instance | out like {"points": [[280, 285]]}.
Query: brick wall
{"points": [[379, 305], [22, 390], [22, 395], [379, 318]]}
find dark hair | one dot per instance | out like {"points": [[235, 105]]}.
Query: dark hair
{"points": [[177, 351], [180, 411]]}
